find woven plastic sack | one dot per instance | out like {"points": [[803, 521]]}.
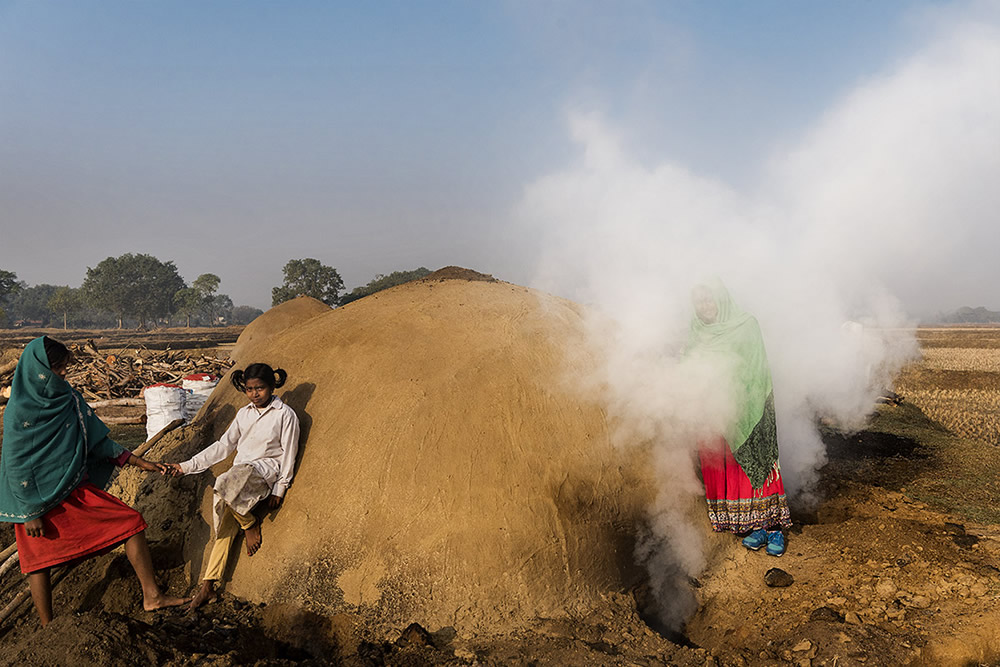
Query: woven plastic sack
{"points": [[164, 404], [200, 386]]}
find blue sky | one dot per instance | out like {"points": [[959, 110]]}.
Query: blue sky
{"points": [[232, 136]]}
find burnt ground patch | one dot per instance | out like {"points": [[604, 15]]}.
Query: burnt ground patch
{"points": [[871, 445], [872, 457]]}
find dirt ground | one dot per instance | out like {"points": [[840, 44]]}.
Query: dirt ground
{"points": [[880, 578], [894, 560]]}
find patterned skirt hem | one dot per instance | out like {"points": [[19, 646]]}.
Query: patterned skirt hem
{"points": [[743, 516]]}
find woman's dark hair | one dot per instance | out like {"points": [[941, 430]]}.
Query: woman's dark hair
{"points": [[57, 353], [273, 378]]}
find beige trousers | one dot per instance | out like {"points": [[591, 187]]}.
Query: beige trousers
{"points": [[229, 528]]}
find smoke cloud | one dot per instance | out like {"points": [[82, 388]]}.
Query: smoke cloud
{"points": [[898, 175]]}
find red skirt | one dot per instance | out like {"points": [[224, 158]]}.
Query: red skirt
{"points": [[734, 506], [88, 522]]}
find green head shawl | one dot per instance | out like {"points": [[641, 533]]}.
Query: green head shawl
{"points": [[51, 438], [735, 336]]}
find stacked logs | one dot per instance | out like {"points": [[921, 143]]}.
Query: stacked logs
{"points": [[107, 376], [117, 379]]}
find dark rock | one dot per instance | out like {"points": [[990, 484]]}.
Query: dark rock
{"points": [[965, 541], [603, 647], [415, 635], [371, 653], [828, 614], [778, 578], [444, 636]]}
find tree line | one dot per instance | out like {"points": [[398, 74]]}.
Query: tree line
{"points": [[310, 277], [141, 290]]}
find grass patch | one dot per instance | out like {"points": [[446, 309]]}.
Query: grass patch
{"points": [[961, 475]]}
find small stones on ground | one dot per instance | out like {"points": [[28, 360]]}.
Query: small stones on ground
{"points": [[852, 618], [828, 614], [886, 588], [778, 578], [463, 653], [803, 645]]}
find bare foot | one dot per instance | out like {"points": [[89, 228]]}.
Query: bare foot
{"points": [[253, 539], [205, 594], [162, 602]]}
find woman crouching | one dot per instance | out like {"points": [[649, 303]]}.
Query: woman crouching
{"points": [[56, 459]]}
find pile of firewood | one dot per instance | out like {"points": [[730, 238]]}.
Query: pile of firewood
{"points": [[102, 376]]}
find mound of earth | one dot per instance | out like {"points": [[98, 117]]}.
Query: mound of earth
{"points": [[280, 318], [448, 473]]}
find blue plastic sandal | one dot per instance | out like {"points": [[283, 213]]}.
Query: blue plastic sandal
{"points": [[775, 543], [755, 540]]}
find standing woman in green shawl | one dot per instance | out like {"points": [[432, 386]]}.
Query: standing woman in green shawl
{"points": [[740, 468], [55, 460]]}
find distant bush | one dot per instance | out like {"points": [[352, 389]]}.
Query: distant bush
{"points": [[381, 282], [967, 315]]}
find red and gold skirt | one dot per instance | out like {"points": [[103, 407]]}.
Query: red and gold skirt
{"points": [[88, 522], [734, 506]]}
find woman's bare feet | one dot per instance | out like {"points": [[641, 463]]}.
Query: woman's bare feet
{"points": [[253, 539], [162, 601], [205, 594]]}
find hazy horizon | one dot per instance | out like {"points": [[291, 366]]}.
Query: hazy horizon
{"points": [[232, 137]]}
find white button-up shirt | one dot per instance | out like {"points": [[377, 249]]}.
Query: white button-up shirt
{"points": [[267, 439]]}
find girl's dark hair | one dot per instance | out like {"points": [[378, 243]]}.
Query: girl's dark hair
{"points": [[273, 378], [57, 353]]}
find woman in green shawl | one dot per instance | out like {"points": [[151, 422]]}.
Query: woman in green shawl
{"points": [[739, 467], [55, 460]]}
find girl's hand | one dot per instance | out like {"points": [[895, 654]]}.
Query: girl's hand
{"points": [[274, 502], [171, 469], [34, 528], [148, 466]]}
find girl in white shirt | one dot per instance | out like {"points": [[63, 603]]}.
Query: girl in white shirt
{"points": [[265, 435]]}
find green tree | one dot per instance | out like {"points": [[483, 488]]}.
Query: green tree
{"points": [[66, 300], [311, 278], [137, 286], [32, 303], [220, 308], [215, 305], [207, 284], [381, 282], [9, 285], [201, 299], [245, 314], [188, 302]]}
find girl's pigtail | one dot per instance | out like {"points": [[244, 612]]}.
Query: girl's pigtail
{"points": [[237, 379], [279, 377]]}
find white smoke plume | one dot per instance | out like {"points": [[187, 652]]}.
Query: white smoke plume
{"points": [[894, 177]]}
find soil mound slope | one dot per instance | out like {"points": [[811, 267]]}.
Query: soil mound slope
{"points": [[281, 317], [448, 473]]}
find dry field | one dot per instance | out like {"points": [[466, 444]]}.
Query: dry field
{"points": [[957, 383]]}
